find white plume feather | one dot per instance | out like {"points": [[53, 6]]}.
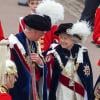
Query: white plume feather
{"points": [[81, 28], [51, 8]]}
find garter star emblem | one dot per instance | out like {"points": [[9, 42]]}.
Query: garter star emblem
{"points": [[86, 70]]}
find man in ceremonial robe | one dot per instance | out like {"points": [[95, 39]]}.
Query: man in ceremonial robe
{"points": [[26, 48]]}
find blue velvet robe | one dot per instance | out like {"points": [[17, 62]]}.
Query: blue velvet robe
{"points": [[64, 54]]}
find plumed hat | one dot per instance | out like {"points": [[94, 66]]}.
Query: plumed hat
{"points": [[79, 30], [63, 28], [38, 22], [52, 9]]}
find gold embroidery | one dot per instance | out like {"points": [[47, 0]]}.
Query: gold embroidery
{"points": [[33, 49], [27, 59], [41, 42], [97, 92]]}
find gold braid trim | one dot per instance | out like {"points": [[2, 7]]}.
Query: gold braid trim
{"points": [[3, 89], [39, 52], [97, 92]]}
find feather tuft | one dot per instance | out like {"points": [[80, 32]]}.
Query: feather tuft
{"points": [[81, 28], [51, 8]]}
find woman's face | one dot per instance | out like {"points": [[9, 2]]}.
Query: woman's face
{"points": [[32, 34], [33, 4], [66, 41], [10, 80]]}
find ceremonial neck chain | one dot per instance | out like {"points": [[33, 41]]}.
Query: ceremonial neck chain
{"points": [[35, 47], [59, 59], [71, 57]]}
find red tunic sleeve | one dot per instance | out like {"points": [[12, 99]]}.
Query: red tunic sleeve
{"points": [[99, 62], [49, 37], [96, 33], [5, 96], [1, 32]]}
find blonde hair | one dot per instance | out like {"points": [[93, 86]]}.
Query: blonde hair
{"points": [[7, 66]]}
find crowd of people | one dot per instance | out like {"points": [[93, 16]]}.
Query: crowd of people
{"points": [[46, 59]]}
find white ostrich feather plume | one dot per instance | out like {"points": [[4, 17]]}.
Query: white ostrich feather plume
{"points": [[81, 28], [51, 8]]}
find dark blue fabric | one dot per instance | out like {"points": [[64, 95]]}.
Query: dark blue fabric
{"points": [[23, 87], [22, 38], [45, 82], [89, 11], [21, 90], [86, 80], [55, 78]]}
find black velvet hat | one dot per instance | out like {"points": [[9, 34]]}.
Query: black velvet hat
{"points": [[63, 28], [38, 22]]}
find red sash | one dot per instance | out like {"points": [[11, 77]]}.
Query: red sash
{"points": [[78, 88]]}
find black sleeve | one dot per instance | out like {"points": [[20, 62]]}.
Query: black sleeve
{"points": [[54, 82], [86, 76]]}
